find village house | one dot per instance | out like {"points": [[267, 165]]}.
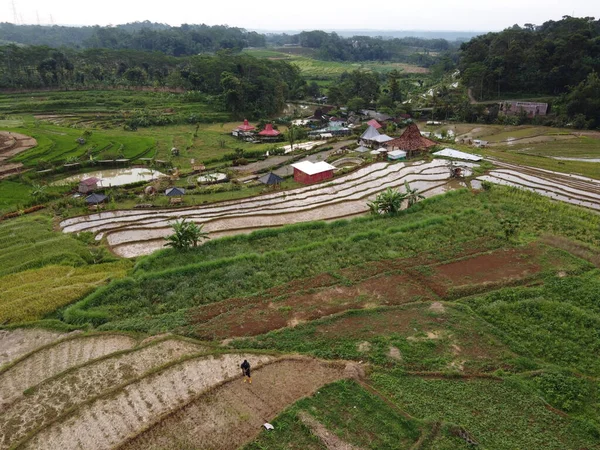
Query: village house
{"points": [[307, 172], [88, 185], [269, 134], [245, 131], [532, 109]]}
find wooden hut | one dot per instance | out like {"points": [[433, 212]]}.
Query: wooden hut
{"points": [[88, 185], [411, 141]]}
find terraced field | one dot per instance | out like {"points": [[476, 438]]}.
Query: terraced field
{"points": [[574, 189], [100, 391], [134, 233]]}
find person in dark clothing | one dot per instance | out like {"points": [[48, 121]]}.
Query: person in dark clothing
{"points": [[246, 371]]}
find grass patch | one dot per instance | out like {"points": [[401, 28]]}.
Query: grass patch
{"points": [[346, 410]]}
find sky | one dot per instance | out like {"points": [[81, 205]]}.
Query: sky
{"points": [[435, 15]]}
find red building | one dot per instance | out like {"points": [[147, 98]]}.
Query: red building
{"points": [[269, 134], [307, 172]]}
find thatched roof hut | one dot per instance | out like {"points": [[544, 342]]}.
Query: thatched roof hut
{"points": [[411, 141]]}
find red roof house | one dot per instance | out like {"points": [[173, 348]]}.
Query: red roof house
{"points": [[307, 172], [88, 185], [374, 124]]}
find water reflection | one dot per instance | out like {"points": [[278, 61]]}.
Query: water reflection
{"points": [[114, 177]]}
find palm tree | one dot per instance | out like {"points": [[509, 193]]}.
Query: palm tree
{"points": [[412, 195], [389, 202]]}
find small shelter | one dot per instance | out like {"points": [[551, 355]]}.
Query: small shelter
{"points": [[95, 199], [245, 131], [269, 133], [456, 154], [88, 185], [382, 139], [307, 172], [396, 155], [369, 136], [271, 179], [361, 149], [411, 141], [176, 194]]}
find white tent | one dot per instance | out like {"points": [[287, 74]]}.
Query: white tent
{"points": [[456, 154]]}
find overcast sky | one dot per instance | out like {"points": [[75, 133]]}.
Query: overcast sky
{"points": [[464, 15]]}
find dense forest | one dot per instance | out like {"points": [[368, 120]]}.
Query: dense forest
{"points": [[544, 60], [332, 47], [147, 36], [195, 39], [239, 83]]}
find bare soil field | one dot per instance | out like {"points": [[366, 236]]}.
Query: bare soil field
{"points": [[55, 396], [11, 144], [234, 412], [54, 359], [18, 342], [110, 420]]}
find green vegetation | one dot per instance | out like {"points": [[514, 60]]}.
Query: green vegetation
{"points": [[502, 415], [185, 235], [347, 411], [43, 270], [167, 293]]}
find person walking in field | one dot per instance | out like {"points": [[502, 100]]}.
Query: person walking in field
{"points": [[246, 371]]}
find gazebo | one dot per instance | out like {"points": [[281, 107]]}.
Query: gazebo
{"points": [[271, 179], [95, 199], [88, 185], [176, 194], [411, 141], [269, 133], [244, 131]]}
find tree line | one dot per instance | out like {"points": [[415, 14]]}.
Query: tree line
{"points": [[147, 36], [240, 84]]}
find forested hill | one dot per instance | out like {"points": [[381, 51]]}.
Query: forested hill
{"points": [[194, 39], [544, 59], [147, 36], [239, 83]]}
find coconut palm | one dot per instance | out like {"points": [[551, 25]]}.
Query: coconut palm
{"points": [[389, 202]]}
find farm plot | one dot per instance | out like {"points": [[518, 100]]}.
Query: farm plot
{"points": [[133, 233], [423, 336], [54, 359], [55, 396], [109, 421], [573, 189], [16, 343], [233, 414], [11, 144]]}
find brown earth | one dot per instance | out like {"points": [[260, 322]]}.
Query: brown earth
{"points": [[17, 343], [11, 144], [264, 315], [54, 397], [52, 360], [233, 414]]}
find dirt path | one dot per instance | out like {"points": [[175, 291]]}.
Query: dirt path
{"points": [[11, 144], [55, 359], [233, 414], [56, 396], [109, 421]]}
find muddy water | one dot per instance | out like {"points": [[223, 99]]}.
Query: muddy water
{"points": [[114, 177]]}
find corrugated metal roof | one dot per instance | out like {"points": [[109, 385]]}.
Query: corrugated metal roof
{"points": [[311, 168]]}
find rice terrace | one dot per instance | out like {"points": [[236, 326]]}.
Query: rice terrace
{"points": [[404, 247]]}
